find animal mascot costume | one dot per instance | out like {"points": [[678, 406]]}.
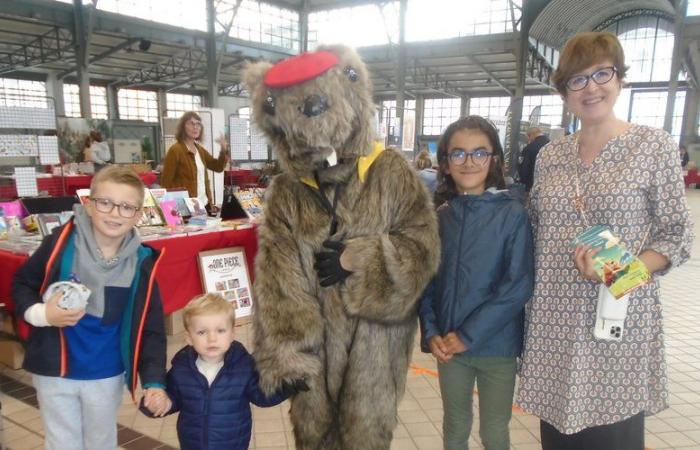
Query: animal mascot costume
{"points": [[347, 244]]}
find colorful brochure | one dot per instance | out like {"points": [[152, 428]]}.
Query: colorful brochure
{"points": [[620, 270]]}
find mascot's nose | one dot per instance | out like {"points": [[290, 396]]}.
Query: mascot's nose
{"points": [[314, 105]]}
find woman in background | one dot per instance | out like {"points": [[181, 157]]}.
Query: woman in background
{"points": [[186, 163], [96, 150], [424, 166]]}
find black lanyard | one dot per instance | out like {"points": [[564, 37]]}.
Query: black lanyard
{"points": [[327, 205]]}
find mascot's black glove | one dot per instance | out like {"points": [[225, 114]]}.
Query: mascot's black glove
{"points": [[328, 265], [294, 387]]}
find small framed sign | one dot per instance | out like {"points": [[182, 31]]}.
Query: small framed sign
{"points": [[224, 271]]}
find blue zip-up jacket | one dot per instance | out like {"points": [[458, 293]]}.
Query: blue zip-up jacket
{"points": [[486, 275], [215, 417]]}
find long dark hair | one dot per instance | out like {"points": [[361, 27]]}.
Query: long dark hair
{"points": [[446, 189]]}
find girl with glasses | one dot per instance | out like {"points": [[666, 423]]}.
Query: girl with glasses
{"points": [[471, 314], [591, 393]]}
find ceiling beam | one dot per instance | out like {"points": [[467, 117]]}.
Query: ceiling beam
{"points": [[492, 75], [60, 14], [48, 47], [103, 55]]}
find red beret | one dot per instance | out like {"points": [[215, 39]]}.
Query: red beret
{"points": [[300, 68]]}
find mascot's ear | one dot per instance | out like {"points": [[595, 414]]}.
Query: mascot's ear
{"points": [[342, 51], [253, 74], [349, 61]]}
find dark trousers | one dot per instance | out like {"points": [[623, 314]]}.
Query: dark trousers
{"points": [[625, 435]]}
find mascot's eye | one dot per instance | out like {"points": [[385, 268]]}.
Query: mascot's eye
{"points": [[269, 105], [351, 73]]}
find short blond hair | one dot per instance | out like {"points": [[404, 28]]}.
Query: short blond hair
{"points": [[120, 175], [208, 304]]}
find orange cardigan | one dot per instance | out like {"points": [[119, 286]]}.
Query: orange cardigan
{"points": [[180, 169]]}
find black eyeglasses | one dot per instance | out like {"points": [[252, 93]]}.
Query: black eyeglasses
{"points": [[600, 76], [105, 205], [459, 156]]}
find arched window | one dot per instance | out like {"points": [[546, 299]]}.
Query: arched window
{"points": [[648, 45]]}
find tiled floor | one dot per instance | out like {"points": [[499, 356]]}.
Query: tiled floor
{"points": [[420, 412]]}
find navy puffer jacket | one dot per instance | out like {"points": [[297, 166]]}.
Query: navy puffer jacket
{"points": [[486, 274], [217, 416]]}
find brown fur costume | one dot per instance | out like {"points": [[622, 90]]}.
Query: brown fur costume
{"points": [[351, 341]]}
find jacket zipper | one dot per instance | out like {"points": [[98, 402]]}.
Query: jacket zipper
{"points": [[208, 399], [62, 347], [206, 415], [142, 322], [459, 253]]}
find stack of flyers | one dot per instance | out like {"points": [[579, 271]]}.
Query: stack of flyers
{"points": [[620, 270]]}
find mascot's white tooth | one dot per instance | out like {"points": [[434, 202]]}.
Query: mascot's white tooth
{"points": [[340, 269], [332, 159]]}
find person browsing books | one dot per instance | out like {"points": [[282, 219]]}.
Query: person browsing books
{"points": [[96, 151], [80, 358], [186, 161], [471, 313], [213, 381], [591, 393]]}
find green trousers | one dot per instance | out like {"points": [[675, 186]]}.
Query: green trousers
{"points": [[495, 380]]}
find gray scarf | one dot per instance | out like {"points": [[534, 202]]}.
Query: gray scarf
{"points": [[93, 270]]}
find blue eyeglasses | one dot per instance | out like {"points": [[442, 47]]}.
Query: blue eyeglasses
{"points": [[600, 76], [459, 156]]}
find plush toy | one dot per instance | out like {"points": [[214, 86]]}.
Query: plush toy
{"points": [[346, 246]]}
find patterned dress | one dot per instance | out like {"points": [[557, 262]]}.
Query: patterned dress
{"points": [[568, 378]]}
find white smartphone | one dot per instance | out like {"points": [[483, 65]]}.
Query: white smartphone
{"points": [[610, 315]]}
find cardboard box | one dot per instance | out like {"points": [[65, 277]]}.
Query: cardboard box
{"points": [[173, 323], [11, 350], [11, 353]]}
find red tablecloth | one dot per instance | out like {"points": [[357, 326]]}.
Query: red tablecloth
{"points": [[241, 177], [54, 185], [178, 274], [10, 262]]}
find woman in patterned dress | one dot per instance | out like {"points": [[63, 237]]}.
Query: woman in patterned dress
{"points": [[593, 393]]}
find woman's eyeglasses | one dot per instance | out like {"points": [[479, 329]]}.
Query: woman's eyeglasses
{"points": [[105, 205], [459, 156], [600, 76]]}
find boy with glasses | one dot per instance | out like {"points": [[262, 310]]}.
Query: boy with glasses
{"points": [[80, 358]]}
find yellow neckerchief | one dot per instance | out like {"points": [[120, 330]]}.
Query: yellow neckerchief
{"points": [[363, 165]]}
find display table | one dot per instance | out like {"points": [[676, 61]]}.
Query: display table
{"points": [[54, 185], [242, 178], [693, 177], [178, 273]]}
